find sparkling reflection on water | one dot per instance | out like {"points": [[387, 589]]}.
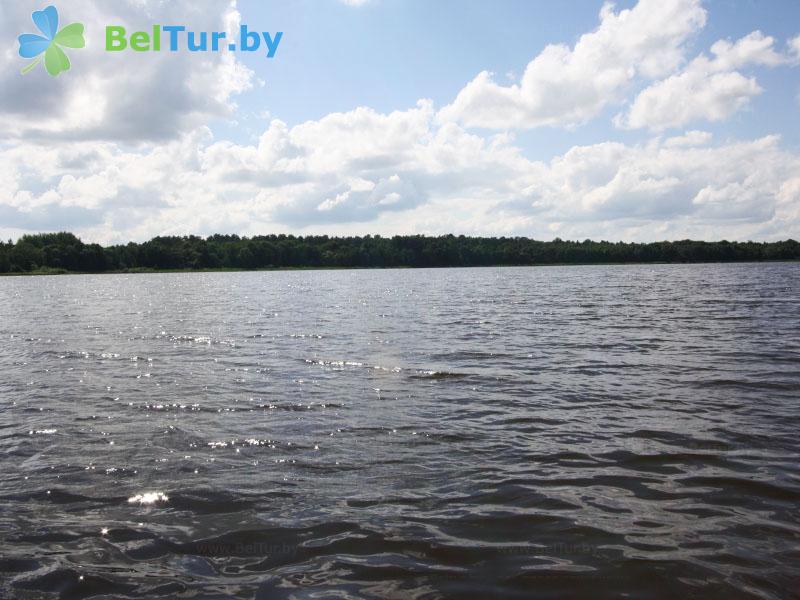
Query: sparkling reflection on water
{"points": [[516, 432]]}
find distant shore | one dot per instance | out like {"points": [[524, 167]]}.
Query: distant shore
{"points": [[145, 271], [62, 253]]}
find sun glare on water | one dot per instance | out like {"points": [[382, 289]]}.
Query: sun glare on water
{"points": [[148, 498]]}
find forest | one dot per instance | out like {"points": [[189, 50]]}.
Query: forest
{"points": [[64, 252]]}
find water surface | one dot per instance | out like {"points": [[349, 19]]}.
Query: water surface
{"points": [[545, 432]]}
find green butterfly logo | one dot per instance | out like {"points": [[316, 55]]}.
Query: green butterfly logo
{"points": [[32, 45]]}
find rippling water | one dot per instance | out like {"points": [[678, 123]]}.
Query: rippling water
{"points": [[456, 433]]}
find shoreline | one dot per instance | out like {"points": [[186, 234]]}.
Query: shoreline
{"points": [[141, 271]]}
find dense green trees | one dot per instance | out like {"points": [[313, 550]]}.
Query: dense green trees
{"points": [[64, 251]]}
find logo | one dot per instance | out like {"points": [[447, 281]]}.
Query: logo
{"points": [[180, 37], [50, 42]]}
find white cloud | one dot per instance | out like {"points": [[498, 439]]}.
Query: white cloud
{"points": [[408, 171], [661, 182], [690, 138], [568, 86], [708, 88], [794, 48], [402, 172], [125, 96]]}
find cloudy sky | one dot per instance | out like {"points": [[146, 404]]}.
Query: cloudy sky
{"points": [[636, 121]]}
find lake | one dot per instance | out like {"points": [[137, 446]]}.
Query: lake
{"points": [[550, 432]]}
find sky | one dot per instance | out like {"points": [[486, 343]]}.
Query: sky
{"points": [[633, 121]]}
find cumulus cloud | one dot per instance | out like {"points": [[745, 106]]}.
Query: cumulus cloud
{"points": [[125, 96], [794, 48], [690, 138], [403, 172], [129, 164], [732, 182], [708, 88], [568, 86]]}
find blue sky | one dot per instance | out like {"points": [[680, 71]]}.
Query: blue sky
{"points": [[637, 120], [387, 54]]}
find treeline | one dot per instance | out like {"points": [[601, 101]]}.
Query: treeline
{"points": [[65, 252]]}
